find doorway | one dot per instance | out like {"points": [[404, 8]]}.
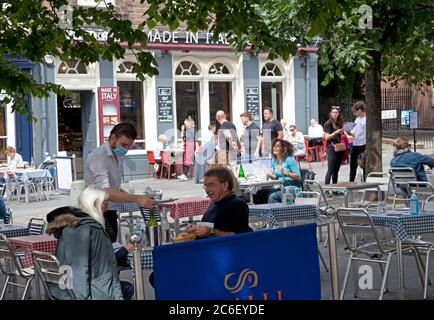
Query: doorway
{"points": [[187, 102], [220, 98], [76, 119]]}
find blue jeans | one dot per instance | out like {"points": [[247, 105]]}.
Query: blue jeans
{"points": [[127, 290], [276, 197]]}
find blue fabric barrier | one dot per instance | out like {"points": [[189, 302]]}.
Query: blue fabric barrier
{"points": [[278, 264]]}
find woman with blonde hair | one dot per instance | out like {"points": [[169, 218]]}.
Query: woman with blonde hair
{"points": [[84, 245]]}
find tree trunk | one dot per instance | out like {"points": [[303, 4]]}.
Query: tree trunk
{"points": [[373, 115]]}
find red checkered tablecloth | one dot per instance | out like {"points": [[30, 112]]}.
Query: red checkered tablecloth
{"points": [[28, 244], [187, 207]]}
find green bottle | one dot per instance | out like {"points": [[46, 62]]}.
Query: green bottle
{"points": [[241, 172]]}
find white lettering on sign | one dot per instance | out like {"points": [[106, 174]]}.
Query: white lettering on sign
{"points": [[388, 114]]}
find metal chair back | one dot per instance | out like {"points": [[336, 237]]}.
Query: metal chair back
{"points": [[50, 272], [423, 189], [36, 226], [400, 176], [314, 186], [357, 222], [308, 197], [429, 204], [11, 266]]}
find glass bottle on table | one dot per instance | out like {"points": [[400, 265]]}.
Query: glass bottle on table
{"points": [[414, 204]]}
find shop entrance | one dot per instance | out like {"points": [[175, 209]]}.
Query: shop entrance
{"points": [[75, 119], [187, 102]]}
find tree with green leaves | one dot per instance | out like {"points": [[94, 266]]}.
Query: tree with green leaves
{"points": [[381, 38]]}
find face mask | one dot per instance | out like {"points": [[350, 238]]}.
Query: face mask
{"points": [[119, 151]]}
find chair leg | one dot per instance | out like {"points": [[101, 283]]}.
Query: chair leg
{"points": [[347, 273], [386, 289], [386, 273], [323, 261], [28, 281], [5, 287], [420, 268], [426, 274]]}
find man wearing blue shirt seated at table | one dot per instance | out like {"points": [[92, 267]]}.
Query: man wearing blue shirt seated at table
{"points": [[404, 157], [283, 168], [227, 214]]}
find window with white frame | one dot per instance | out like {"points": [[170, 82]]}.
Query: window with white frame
{"points": [[72, 67], [218, 68], [125, 67], [271, 70], [187, 68]]}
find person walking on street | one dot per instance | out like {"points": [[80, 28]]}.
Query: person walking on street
{"points": [[359, 134], [271, 130], [335, 148], [228, 142], [250, 138], [105, 169]]}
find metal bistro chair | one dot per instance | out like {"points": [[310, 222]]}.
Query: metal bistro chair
{"points": [[314, 186], [11, 267], [399, 176], [429, 204], [375, 177], [357, 222], [49, 271], [423, 190], [309, 197], [36, 226]]}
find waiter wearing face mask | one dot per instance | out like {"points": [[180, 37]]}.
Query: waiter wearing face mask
{"points": [[104, 169]]}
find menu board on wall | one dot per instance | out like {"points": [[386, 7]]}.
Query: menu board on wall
{"points": [[165, 110], [252, 102]]}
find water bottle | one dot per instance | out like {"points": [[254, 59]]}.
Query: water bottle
{"points": [[288, 197], [359, 178], [414, 203], [32, 163], [165, 227]]}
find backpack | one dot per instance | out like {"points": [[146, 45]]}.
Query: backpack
{"points": [[306, 175]]}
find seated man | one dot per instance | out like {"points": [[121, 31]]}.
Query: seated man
{"points": [[404, 157], [227, 214]]}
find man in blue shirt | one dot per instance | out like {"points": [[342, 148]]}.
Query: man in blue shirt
{"points": [[404, 157]]}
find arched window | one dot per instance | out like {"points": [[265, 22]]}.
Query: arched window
{"points": [[72, 67], [218, 68], [125, 67], [187, 68], [270, 70]]}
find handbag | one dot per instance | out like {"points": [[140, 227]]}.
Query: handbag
{"points": [[339, 147]]}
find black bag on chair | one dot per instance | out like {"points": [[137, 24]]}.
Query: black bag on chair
{"points": [[306, 175]]}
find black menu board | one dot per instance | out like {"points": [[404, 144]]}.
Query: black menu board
{"points": [[165, 112], [252, 102]]}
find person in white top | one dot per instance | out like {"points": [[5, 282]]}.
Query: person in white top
{"points": [[315, 133], [359, 137], [286, 133], [14, 159], [297, 140]]}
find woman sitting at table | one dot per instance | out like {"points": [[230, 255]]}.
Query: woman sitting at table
{"points": [[14, 159], [283, 168], [84, 246]]}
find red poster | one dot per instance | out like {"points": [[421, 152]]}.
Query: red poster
{"points": [[109, 110]]}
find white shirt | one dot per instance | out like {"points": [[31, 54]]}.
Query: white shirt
{"points": [[15, 161], [359, 131], [159, 147], [298, 143], [316, 131]]}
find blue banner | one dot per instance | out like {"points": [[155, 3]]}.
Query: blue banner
{"points": [[278, 264]]}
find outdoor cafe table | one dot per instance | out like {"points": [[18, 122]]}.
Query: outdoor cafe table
{"points": [[145, 257], [44, 243], [12, 230], [253, 186], [186, 207], [348, 187], [404, 225], [279, 212]]}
